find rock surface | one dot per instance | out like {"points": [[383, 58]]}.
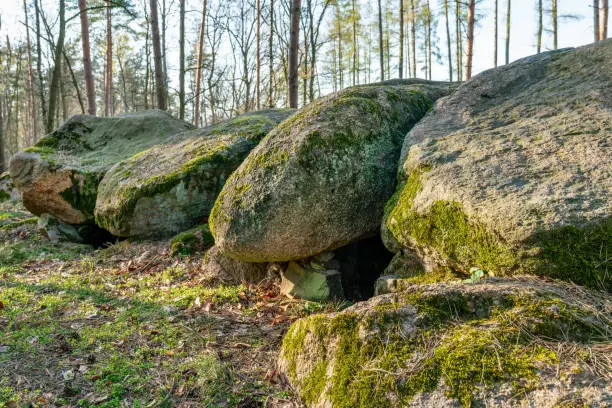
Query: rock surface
{"points": [[7, 188], [512, 173], [320, 180], [310, 283], [502, 342], [172, 187], [60, 174], [217, 264]]}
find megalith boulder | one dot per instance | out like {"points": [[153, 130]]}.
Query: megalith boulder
{"points": [[320, 180], [512, 172], [501, 342], [60, 174], [171, 187]]}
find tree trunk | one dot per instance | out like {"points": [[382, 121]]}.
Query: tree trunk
{"points": [[603, 20], [198, 84], [429, 40], [41, 88], [271, 51], [496, 34], [89, 82], [293, 53], [540, 24], [74, 83], [508, 19], [459, 40], [57, 68], [258, 51], [413, 29], [164, 13], [555, 24], [33, 137], [354, 18], [158, 60], [108, 70], [448, 42], [596, 28], [380, 43], [470, 39], [147, 63], [401, 40], [182, 61]]}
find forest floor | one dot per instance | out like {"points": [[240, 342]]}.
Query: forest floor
{"points": [[131, 326]]}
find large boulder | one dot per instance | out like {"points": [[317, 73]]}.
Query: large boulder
{"points": [[172, 187], [498, 343], [60, 174], [512, 173], [321, 178]]}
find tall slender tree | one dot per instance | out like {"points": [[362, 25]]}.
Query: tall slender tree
{"points": [[296, 6], [413, 39], [496, 33], [603, 20], [448, 42], [271, 56], [31, 99], [87, 70], [401, 39], [597, 33], [540, 24], [258, 52], [182, 59], [381, 47], [199, 62], [41, 88], [157, 57], [508, 20], [470, 38], [108, 70], [555, 25], [54, 89]]}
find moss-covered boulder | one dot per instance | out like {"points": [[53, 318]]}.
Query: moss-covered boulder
{"points": [[320, 179], [172, 187], [502, 343], [512, 173], [60, 174]]}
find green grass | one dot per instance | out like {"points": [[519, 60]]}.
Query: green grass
{"points": [[109, 327]]}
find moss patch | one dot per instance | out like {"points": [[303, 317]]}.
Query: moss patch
{"points": [[570, 253], [194, 240], [468, 340]]}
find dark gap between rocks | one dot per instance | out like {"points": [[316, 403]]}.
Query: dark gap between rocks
{"points": [[361, 263]]}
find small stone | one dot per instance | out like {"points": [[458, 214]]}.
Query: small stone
{"points": [[311, 284]]}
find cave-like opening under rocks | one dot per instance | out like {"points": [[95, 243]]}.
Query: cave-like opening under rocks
{"points": [[361, 263]]}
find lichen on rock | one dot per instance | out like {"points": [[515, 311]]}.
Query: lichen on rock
{"points": [[320, 179], [505, 343], [511, 173], [171, 187], [60, 174]]}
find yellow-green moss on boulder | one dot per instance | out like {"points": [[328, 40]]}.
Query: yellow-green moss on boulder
{"points": [[503, 343], [171, 187], [60, 174], [319, 181], [511, 174]]}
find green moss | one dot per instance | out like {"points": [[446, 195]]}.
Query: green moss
{"points": [[4, 196], [314, 384], [475, 357], [83, 192], [189, 242], [446, 228], [576, 254], [469, 341]]}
